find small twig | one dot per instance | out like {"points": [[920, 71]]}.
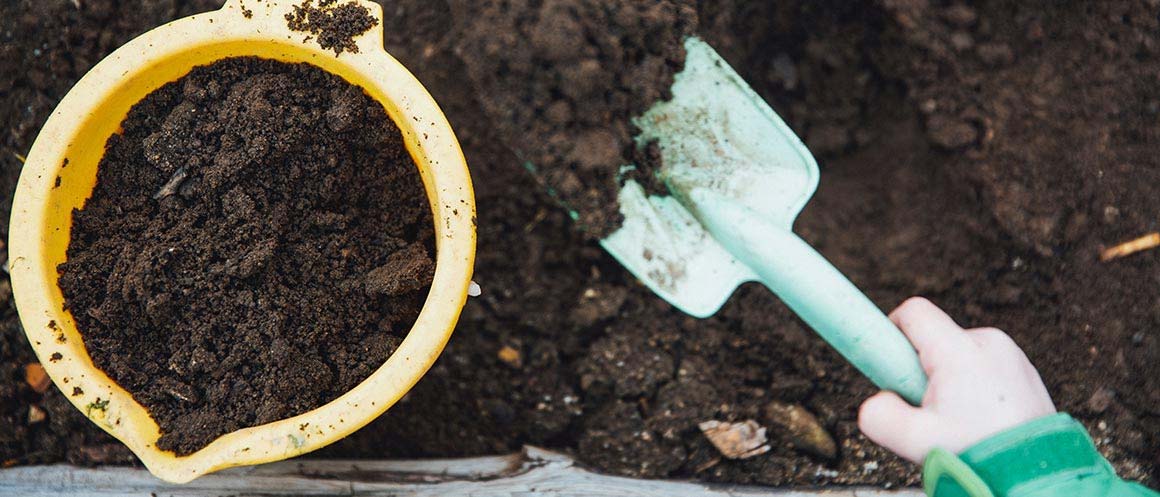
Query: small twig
{"points": [[540, 215], [707, 465], [170, 187], [1149, 241], [20, 158]]}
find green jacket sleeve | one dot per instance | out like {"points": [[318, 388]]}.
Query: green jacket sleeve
{"points": [[1052, 456]]}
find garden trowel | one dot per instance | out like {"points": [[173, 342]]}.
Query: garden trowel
{"points": [[737, 177]]}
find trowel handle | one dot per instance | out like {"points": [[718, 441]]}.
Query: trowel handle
{"points": [[839, 312], [818, 293]]}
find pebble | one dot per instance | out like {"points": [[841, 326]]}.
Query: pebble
{"points": [[36, 377], [36, 415], [1111, 214], [736, 440], [802, 428], [510, 356]]}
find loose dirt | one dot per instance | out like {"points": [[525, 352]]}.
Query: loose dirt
{"points": [[978, 155], [258, 242], [332, 25]]}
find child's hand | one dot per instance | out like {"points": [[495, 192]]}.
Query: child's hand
{"points": [[981, 383]]}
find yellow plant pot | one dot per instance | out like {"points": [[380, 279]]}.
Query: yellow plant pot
{"points": [[61, 171]]}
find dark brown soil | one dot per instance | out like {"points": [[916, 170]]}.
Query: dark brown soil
{"points": [[258, 243], [332, 26], [950, 136], [562, 81]]}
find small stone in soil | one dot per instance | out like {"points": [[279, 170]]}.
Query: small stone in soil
{"points": [[736, 440], [170, 187], [802, 428], [36, 377], [511, 356], [36, 415]]}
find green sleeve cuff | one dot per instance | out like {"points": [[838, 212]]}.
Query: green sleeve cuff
{"points": [[1044, 453]]}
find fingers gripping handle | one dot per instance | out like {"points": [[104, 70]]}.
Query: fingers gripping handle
{"points": [[841, 314], [819, 294]]}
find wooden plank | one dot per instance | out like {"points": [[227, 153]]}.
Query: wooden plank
{"points": [[473, 468], [533, 472]]}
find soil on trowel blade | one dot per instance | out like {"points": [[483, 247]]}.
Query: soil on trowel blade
{"points": [[258, 242], [978, 155]]}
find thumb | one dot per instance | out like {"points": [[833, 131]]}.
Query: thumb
{"points": [[891, 422]]}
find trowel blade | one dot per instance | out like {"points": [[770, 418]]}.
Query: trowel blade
{"points": [[666, 248], [716, 134]]}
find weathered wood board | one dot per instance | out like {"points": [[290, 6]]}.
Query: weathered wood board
{"points": [[533, 472]]}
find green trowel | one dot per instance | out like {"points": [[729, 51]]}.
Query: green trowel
{"points": [[738, 177]]}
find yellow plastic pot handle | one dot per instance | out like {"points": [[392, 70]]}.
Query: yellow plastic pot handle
{"points": [[60, 173]]}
